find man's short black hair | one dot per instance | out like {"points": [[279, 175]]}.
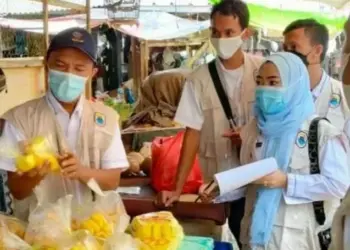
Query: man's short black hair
{"points": [[317, 32], [236, 8]]}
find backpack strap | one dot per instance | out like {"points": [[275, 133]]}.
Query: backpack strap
{"points": [[315, 166]]}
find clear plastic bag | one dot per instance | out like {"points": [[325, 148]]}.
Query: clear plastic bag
{"points": [[159, 230], [13, 225], [12, 233], [122, 241], [11, 241], [103, 217], [81, 240], [50, 223], [30, 154]]}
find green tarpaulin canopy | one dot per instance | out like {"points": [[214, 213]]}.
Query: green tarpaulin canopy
{"points": [[277, 19]]}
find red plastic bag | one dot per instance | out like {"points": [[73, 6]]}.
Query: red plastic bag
{"points": [[165, 158]]}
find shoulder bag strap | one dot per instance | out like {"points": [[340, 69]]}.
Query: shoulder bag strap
{"points": [[315, 167], [221, 94]]}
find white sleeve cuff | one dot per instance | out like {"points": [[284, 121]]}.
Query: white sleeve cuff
{"points": [[123, 164], [291, 185], [185, 123]]}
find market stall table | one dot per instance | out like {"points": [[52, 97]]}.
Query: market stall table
{"points": [[197, 219]]}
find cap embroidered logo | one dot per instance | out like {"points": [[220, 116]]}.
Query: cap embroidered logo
{"points": [[77, 37]]}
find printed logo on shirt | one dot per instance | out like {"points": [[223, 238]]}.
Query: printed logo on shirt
{"points": [[100, 119], [301, 139], [335, 101]]}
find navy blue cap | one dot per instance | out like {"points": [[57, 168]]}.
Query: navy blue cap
{"points": [[77, 38]]}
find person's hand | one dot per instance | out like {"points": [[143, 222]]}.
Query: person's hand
{"points": [[71, 167], [167, 198], [277, 179], [234, 135], [204, 196]]}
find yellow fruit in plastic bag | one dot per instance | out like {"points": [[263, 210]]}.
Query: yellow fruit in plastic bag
{"points": [[79, 246], [97, 225], [37, 152], [26, 163], [38, 145], [158, 230], [54, 165]]}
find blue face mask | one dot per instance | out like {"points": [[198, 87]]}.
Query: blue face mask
{"points": [[270, 100], [66, 87]]}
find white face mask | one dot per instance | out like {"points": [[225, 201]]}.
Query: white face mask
{"points": [[226, 47]]}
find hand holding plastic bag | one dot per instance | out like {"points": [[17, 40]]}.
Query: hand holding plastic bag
{"points": [[31, 154]]}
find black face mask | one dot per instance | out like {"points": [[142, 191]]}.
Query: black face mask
{"points": [[301, 56]]}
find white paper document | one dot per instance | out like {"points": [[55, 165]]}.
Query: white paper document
{"points": [[232, 180]]}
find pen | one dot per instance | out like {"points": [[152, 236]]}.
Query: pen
{"points": [[206, 188]]}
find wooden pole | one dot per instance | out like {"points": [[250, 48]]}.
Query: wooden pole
{"points": [[88, 15], [146, 59], [46, 35], [88, 91]]}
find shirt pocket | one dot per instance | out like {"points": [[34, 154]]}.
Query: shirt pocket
{"points": [[291, 226]]}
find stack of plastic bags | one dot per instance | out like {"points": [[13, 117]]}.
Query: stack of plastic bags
{"points": [[65, 225]]}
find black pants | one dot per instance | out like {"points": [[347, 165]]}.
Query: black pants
{"points": [[234, 220]]}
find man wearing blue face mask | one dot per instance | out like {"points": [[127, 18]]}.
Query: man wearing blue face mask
{"points": [[85, 135]]}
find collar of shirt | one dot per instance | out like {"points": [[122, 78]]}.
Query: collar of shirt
{"points": [[237, 71], [57, 107], [316, 92]]}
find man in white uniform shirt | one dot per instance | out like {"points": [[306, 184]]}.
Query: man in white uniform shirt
{"points": [[341, 221], [89, 131], [309, 40], [201, 111]]}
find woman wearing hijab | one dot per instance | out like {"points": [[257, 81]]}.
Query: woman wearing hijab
{"points": [[279, 212]]}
